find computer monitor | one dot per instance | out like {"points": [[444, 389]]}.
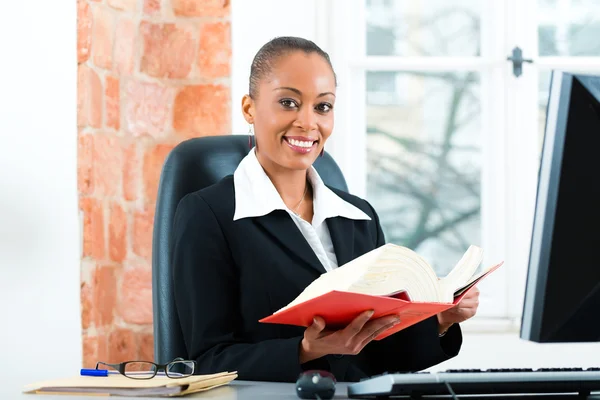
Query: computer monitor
{"points": [[562, 297]]}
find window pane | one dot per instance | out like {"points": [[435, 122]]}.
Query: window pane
{"points": [[569, 28], [424, 161], [423, 27]]}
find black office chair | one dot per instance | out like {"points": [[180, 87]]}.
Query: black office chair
{"points": [[193, 165]]}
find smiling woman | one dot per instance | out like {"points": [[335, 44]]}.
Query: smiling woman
{"points": [[292, 113], [248, 245]]}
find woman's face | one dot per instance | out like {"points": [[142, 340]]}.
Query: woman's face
{"points": [[293, 110]]}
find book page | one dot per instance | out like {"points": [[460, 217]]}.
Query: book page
{"points": [[399, 269], [340, 278], [462, 271], [475, 279], [384, 271]]}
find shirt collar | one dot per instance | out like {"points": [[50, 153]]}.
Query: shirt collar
{"points": [[255, 195]]}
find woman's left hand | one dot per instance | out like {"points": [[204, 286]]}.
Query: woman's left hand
{"points": [[464, 310]]}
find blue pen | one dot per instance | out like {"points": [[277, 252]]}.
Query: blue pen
{"points": [[104, 372], [96, 372]]}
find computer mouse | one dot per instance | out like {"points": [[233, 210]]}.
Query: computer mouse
{"points": [[315, 384]]}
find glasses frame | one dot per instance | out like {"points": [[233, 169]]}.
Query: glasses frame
{"points": [[120, 367]]}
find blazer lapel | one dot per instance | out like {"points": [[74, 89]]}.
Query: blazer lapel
{"points": [[280, 225], [342, 236]]}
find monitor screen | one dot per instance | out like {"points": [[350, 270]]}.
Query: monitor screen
{"points": [[562, 297]]}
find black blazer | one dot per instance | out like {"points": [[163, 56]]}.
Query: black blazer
{"points": [[229, 274]]}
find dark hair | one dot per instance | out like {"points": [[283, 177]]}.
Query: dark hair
{"points": [[269, 53]]}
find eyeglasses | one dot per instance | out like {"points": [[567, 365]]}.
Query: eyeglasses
{"points": [[178, 368]]}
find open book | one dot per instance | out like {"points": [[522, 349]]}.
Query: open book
{"points": [[391, 279]]}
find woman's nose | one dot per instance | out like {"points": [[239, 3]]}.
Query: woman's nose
{"points": [[306, 119]]}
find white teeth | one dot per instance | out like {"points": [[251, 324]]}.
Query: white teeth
{"points": [[301, 143]]}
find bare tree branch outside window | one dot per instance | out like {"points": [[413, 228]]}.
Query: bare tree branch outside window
{"points": [[423, 140]]}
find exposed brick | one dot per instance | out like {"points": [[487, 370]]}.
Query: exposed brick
{"points": [[122, 346], [153, 163], [214, 51], [84, 164], [84, 31], [202, 110], [145, 346], [95, 348], [143, 221], [117, 233], [106, 171], [148, 108], [201, 8], [104, 294], [103, 32], [135, 295], [112, 102], [168, 50], [151, 7], [124, 51], [89, 97], [132, 172], [118, 167], [93, 228], [127, 5], [86, 305]]}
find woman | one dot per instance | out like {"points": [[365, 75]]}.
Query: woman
{"points": [[248, 245]]}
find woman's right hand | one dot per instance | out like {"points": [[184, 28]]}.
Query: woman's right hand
{"points": [[318, 341]]}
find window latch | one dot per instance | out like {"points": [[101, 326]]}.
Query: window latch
{"points": [[518, 60]]}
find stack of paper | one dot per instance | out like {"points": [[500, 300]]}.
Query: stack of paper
{"points": [[119, 385]]}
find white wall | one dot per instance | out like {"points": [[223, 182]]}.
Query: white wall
{"points": [[254, 23], [40, 334]]}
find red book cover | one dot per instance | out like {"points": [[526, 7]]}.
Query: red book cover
{"points": [[339, 308]]}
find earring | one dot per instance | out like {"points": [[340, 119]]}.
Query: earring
{"points": [[322, 152], [250, 136]]}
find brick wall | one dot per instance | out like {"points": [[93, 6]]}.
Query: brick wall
{"points": [[151, 73]]}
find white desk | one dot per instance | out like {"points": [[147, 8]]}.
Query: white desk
{"points": [[246, 390], [236, 390]]}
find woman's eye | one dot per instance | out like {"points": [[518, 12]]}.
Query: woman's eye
{"points": [[287, 103], [324, 107]]}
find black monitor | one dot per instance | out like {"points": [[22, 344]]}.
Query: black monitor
{"points": [[562, 297]]}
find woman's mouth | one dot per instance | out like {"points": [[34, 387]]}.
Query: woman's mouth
{"points": [[300, 144]]}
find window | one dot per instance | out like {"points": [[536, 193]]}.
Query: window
{"points": [[439, 134]]}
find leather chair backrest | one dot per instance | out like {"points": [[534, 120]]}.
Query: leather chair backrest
{"points": [[192, 165]]}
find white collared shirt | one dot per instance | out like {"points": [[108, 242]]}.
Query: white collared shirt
{"points": [[255, 195]]}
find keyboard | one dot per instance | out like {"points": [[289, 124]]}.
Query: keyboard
{"points": [[479, 382]]}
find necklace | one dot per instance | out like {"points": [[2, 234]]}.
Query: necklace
{"points": [[301, 200]]}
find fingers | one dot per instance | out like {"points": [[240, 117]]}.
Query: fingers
{"points": [[464, 310], [356, 325], [314, 330], [460, 313], [470, 299], [372, 329], [378, 332], [473, 293], [469, 303]]}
